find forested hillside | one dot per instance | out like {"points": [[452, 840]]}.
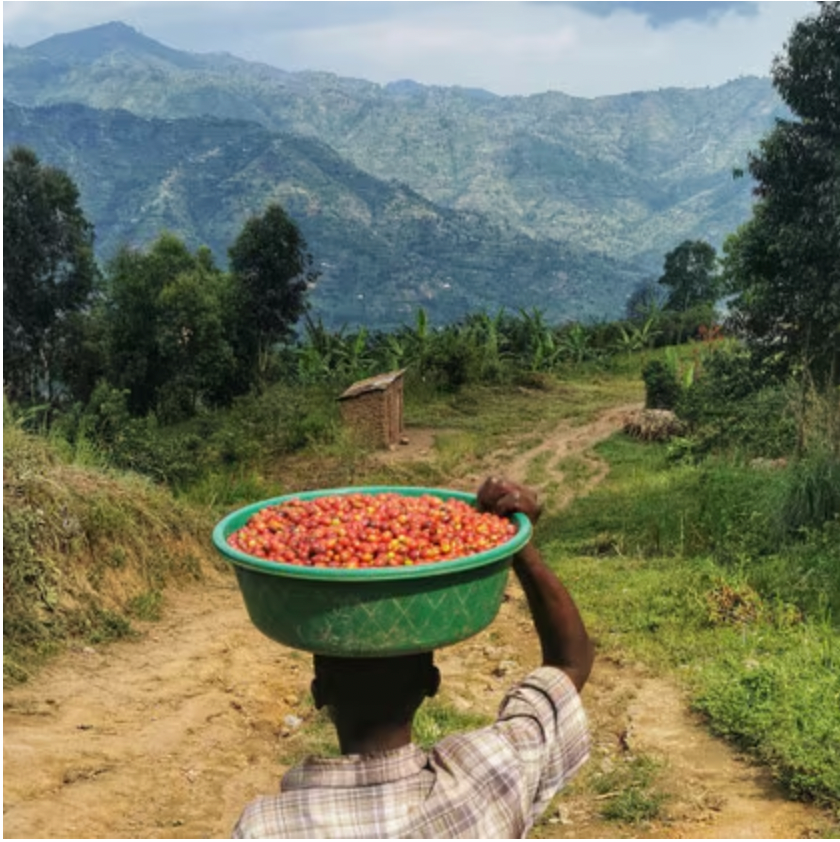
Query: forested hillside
{"points": [[382, 250], [630, 176]]}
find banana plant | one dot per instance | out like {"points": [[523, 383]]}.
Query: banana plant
{"points": [[487, 334], [539, 346], [416, 340], [353, 359], [683, 370], [574, 343], [389, 352], [312, 366], [637, 338], [317, 355]]}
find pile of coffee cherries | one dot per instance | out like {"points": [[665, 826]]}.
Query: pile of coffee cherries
{"points": [[361, 530]]}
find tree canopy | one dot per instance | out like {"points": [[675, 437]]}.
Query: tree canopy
{"points": [[272, 271], [49, 273], [690, 275], [168, 341], [783, 265], [163, 327]]}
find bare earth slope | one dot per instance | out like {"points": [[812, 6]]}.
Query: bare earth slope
{"points": [[170, 735]]}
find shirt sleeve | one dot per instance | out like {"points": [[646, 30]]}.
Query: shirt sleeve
{"points": [[543, 718]]}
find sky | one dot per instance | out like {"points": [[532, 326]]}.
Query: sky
{"points": [[585, 49]]}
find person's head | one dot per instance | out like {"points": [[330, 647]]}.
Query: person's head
{"points": [[366, 693]]}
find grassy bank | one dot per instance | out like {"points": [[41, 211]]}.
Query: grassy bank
{"points": [[86, 552], [689, 569]]}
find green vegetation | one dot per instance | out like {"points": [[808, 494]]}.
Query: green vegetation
{"points": [[715, 584], [142, 413], [160, 333], [793, 318], [316, 736], [437, 718], [85, 550], [630, 175], [690, 275], [727, 566], [271, 270], [629, 791], [728, 569], [49, 272]]}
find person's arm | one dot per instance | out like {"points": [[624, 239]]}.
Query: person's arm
{"points": [[562, 634], [565, 643]]}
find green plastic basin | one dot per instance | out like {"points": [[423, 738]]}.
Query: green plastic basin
{"points": [[374, 612]]}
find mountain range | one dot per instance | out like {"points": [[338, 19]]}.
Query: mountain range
{"points": [[408, 195]]}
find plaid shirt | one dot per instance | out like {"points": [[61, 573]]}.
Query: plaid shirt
{"points": [[491, 783]]}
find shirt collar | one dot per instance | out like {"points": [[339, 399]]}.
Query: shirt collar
{"points": [[355, 770]]}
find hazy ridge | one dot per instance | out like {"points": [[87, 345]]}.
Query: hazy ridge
{"points": [[446, 197]]}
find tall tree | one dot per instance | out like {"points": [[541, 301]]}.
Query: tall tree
{"points": [[49, 273], [135, 282], [168, 335], [272, 270], [690, 274], [193, 338], [784, 264]]}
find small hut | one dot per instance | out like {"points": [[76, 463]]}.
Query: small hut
{"points": [[373, 408]]}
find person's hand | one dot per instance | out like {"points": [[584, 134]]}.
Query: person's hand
{"points": [[504, 497]]}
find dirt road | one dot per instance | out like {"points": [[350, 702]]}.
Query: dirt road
{"points": [[169, 735]]}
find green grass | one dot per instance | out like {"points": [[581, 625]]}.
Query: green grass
{"points": [[778, 697], [633, 806], [576, 471], [146, 606], [437, 718], [672, 565], [84, 551], [537, 470], [628, 791], [496, 415], [316, 737]]}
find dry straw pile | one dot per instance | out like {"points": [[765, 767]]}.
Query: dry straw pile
{"points": [[653, 424]]}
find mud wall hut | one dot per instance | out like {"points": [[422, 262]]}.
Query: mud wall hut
{"points": [[373, 409]]}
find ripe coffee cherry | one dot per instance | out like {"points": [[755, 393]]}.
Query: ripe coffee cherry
{"points": [[370, 530]]}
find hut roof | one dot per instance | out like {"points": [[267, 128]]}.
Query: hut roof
{"points": [[377, 383]]}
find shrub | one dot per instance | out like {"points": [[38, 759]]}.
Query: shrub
{"points": [[453, 361], [285, 419], [727, 375], [813, 498], [762, 425], [661, 388], [733, 403], [676, 327]]}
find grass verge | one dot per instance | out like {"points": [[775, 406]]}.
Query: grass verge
{"points": [[85, 551], [681, 567]]}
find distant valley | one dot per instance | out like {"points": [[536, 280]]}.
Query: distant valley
{"points": [[408, 196]]}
